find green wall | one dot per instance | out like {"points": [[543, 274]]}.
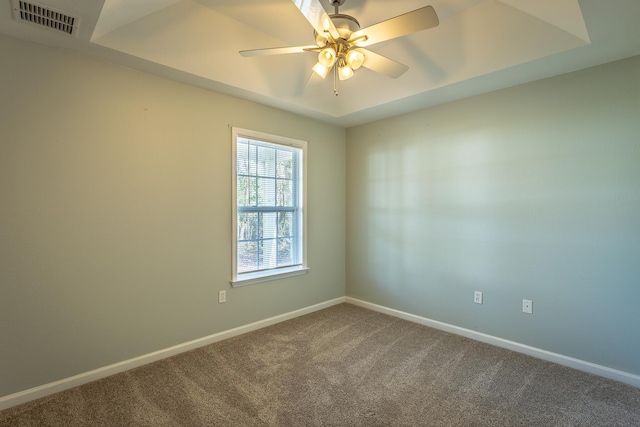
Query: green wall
{"points": [[115, 214], [532, 192]]}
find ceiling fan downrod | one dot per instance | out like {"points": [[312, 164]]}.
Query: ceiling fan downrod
{"points": [[336, 4]]}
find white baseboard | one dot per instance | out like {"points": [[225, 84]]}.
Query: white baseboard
{"points": [[96, 374], [560, 359]]}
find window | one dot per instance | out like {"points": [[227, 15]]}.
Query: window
{"points": [[269, 216]]}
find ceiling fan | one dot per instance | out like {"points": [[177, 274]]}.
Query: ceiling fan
{"points": [[340, 42]]}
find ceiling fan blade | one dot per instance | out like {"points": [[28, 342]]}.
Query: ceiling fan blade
{"points": [[402, 25], [317, 17], [277, 50], [382, 64]]}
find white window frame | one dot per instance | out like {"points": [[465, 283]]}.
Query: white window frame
{"points": [[242, 279]]}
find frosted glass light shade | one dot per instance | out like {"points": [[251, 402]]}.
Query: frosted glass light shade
{"points": [[321, 70], [355, 59], [327, 57], [345, 72], [321, 40]]}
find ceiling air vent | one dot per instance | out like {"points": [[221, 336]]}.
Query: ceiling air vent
{"points": [[44, 16]]}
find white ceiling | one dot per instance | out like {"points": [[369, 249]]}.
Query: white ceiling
{"points": [[479, 46]]}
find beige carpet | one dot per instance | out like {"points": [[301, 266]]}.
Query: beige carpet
{"points": [[342, 366]]}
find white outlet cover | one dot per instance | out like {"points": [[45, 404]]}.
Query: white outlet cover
{"points": [[477, 297], [527, 306]]}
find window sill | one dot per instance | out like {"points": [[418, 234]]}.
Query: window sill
{"points": [[265, 276]]}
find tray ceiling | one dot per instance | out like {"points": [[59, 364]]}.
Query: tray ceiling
{"points": [[479, 46]]}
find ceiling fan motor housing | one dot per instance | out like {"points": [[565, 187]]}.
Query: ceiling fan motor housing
{"points": [[345, 24]]}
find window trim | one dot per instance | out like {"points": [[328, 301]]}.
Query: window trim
{"points": [[250, 278]]}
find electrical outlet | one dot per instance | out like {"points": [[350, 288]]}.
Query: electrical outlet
{"points": [[527, 306], [477, 297], [222, 297]]}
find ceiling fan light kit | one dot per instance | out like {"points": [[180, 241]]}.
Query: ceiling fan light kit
{"points": [[340, 40]]}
